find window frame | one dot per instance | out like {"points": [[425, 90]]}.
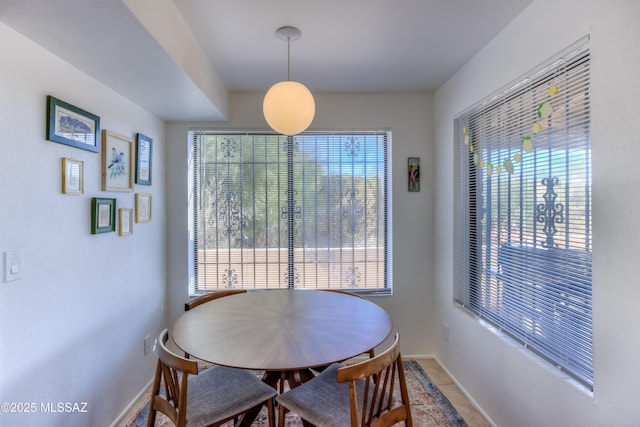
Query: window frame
{"points": [[385, 138], [484, 265]]}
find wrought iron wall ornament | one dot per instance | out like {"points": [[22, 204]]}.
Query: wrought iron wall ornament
{"points": [[289, 142], [230, 216], [550, 213], [229, 278], [352, 146], [296, 277], [229, 146], [353, 210], [353, 276], [295, 211]]}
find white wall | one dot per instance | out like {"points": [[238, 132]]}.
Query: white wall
{"points": [[409, 116], [72, 329], [513, 388]]}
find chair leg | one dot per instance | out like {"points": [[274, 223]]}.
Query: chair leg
{"points": [[281, 414], [151, 421], [271, 413]]}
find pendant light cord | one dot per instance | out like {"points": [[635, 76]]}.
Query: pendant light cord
{"points": [[288, 57]]}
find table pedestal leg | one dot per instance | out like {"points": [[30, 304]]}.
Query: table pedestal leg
{"points": [[276, 379]]}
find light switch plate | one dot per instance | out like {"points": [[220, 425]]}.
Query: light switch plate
{"points": [[12, 265]]}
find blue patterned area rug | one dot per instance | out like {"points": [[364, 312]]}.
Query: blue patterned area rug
{"points": [[429, 407]]}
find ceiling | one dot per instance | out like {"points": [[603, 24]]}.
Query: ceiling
{"points": [[179, 58]]}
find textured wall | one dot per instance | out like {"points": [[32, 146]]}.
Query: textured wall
{"points": [[510, 385], [72, 329]]}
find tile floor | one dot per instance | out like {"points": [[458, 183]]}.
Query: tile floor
{"points": [[465, 408], [471, 415]]}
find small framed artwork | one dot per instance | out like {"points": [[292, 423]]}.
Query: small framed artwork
{"points": [[414, 174], [125, 221], [72, 176], [103, 215], [117, 162], [144, 156], [72, 126], [143, 207]]}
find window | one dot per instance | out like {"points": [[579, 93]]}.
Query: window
{"points": [[523, 212], [270, 211]]}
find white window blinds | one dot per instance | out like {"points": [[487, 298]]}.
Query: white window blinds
{"points": [[309, 211], [523, 211]]}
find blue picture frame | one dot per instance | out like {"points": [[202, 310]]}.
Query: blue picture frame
{"points": [[144, 159]]}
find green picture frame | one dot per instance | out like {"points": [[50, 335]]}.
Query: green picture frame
{"points": [[70, 125], [103, 215]]}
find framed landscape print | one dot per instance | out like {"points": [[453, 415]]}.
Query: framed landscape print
{"points": [[72, 126], [144, 157], [117, 162], [103, 215], [72, 176], [143, 207]]}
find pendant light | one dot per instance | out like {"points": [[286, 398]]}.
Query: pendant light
{"points": [[288, 106]]}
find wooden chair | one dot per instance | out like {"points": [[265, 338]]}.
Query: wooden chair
{"points": [[201, 299], [371, 393], [209, 398]]}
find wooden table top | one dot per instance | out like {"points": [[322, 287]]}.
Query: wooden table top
{"points": [[281, 329]]}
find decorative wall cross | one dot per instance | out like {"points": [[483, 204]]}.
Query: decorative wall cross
{"points": [[549, 213]]}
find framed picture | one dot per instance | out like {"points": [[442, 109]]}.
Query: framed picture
{"points": [[72, 126], [72, 176], [103, 215], [125, 221], [144, 156], [143, 207], [414, 174], [117, 162]]}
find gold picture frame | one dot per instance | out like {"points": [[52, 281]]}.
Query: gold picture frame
{"points": [[117, 162], [143, 207], [125, 221], [72, 176]]}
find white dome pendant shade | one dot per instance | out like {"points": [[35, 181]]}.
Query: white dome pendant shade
{"points": [[288, 106]]}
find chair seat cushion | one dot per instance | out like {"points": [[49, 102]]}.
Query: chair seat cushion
{"points": [[219, 393], [322, 401]]}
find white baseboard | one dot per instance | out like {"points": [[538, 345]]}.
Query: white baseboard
{"points": [[135, 400], [457, 383]]}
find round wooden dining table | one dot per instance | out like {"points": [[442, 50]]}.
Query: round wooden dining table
{"points": [[283, 332]]}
